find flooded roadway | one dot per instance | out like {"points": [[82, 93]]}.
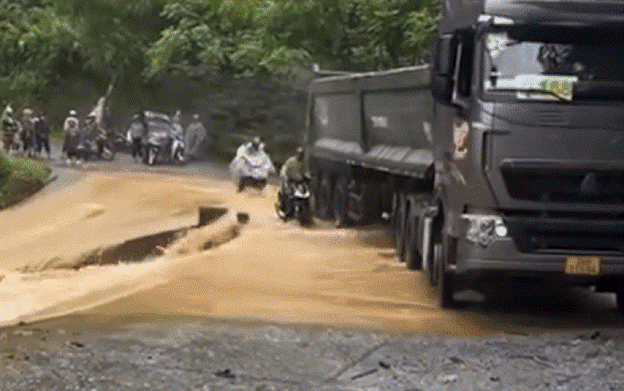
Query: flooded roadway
{"points": [[271, 271]]}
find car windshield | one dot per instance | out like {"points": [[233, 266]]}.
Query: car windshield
{"points": [[159, 128], [558, 64]]}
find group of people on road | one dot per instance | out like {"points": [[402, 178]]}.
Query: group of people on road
{"points": [[28, 134], [76, 132], [252, 166], [194, 135]]}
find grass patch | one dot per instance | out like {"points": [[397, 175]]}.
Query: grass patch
{"points": [[20, 178]]}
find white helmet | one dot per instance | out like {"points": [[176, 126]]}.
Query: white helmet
{"points": [[72, 113]]}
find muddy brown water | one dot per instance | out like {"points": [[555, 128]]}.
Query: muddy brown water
{"points": [[269, 271]]}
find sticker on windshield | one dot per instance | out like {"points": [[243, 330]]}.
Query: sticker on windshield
{"points": [[558, 87]]}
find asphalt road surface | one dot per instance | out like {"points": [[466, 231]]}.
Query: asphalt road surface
{"points": [[274, 307]]}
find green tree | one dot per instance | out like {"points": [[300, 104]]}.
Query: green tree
{"points": [[272, 36]]}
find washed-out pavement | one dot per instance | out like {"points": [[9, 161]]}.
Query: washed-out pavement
{"points": [[351, 319]]}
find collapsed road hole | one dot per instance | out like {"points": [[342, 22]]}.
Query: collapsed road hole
{"points": [[209, 214], [147, 247], [242, 218]]}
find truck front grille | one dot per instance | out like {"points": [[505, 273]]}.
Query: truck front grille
{"points": [[559, 185], [567, 233]]}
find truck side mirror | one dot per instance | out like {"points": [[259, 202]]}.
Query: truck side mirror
{"points": [[443, 68]]}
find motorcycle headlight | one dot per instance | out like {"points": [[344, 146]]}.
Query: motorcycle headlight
{"points": [[483, 229]]}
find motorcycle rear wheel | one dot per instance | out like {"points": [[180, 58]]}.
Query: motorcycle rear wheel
{"points": [[305, 214], [178, 158], [108, 152], [151, 156]]}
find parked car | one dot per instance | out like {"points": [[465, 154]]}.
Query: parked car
{"points": [[163, 143]]}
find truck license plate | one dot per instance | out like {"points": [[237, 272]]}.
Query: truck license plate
{"points": [[582, 265]]}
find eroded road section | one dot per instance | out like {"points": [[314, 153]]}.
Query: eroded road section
{"points": [[208, 311], [271, 271]]}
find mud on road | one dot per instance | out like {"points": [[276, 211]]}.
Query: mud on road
{"points": [[264, 271]]}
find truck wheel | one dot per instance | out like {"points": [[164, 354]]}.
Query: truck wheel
{"points": [[401, 233], [322, 202], [395, 219], [365, 202], [432, 267], [412, 255], [446, 281], [619, 296], [341, 218]]}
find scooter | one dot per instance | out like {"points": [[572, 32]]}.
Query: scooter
{"points": [[99, 148], [251, 171], [296, 203], [163, 148]]}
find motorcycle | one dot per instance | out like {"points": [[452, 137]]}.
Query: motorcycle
{"points": [[295, 203], [99, 148], [251, 170], [161, 146]]}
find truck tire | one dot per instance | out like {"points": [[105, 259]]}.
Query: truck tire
{"points": [[394, 222], [339, 203], [619, 296], [365, 202], [446, 280], [322, 201], [399, 236], [413, 258]]}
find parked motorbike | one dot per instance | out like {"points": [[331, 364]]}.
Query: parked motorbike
{"points": [[98, 148], [163, 147], [295, 203]]}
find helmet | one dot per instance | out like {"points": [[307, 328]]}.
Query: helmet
{"points": [[196, 117], [256, 142], [300, 152], [9, 110], [72, 113]]}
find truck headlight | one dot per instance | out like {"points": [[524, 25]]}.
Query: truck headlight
{"points": [[483, 229]]}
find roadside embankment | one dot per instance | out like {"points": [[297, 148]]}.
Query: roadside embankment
{"points": [[20, 178], [86, 243]]}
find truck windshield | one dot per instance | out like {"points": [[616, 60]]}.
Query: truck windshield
{"points": [[554, 63]]}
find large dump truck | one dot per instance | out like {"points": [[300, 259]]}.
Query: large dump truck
{"points": [[504, 158]]}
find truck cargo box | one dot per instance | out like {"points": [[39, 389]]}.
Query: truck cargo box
{"points": [[379, 120]]}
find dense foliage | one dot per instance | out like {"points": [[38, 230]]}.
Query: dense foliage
{"points": [[91, 43]]}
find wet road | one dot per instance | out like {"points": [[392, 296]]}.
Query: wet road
{"points": [[275, 271], [282, 276]]}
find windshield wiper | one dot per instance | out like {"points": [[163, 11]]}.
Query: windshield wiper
{"points": [[531, 91]]}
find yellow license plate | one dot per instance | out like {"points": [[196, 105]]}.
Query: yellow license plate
{"points": [[582, 265]]}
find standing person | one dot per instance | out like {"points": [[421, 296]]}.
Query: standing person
{"points": [[177, 132], [42, 134], [136, 132], [195, 135], [11, 129], [71, 131], [94, 133], [28, 132]]}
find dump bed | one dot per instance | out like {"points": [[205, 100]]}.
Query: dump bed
{"points": [[377, 120]]}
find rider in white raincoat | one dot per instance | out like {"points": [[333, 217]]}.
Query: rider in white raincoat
{"points": [[251, 166]]}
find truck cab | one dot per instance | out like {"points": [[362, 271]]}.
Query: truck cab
{"points": [[528, 144]]}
